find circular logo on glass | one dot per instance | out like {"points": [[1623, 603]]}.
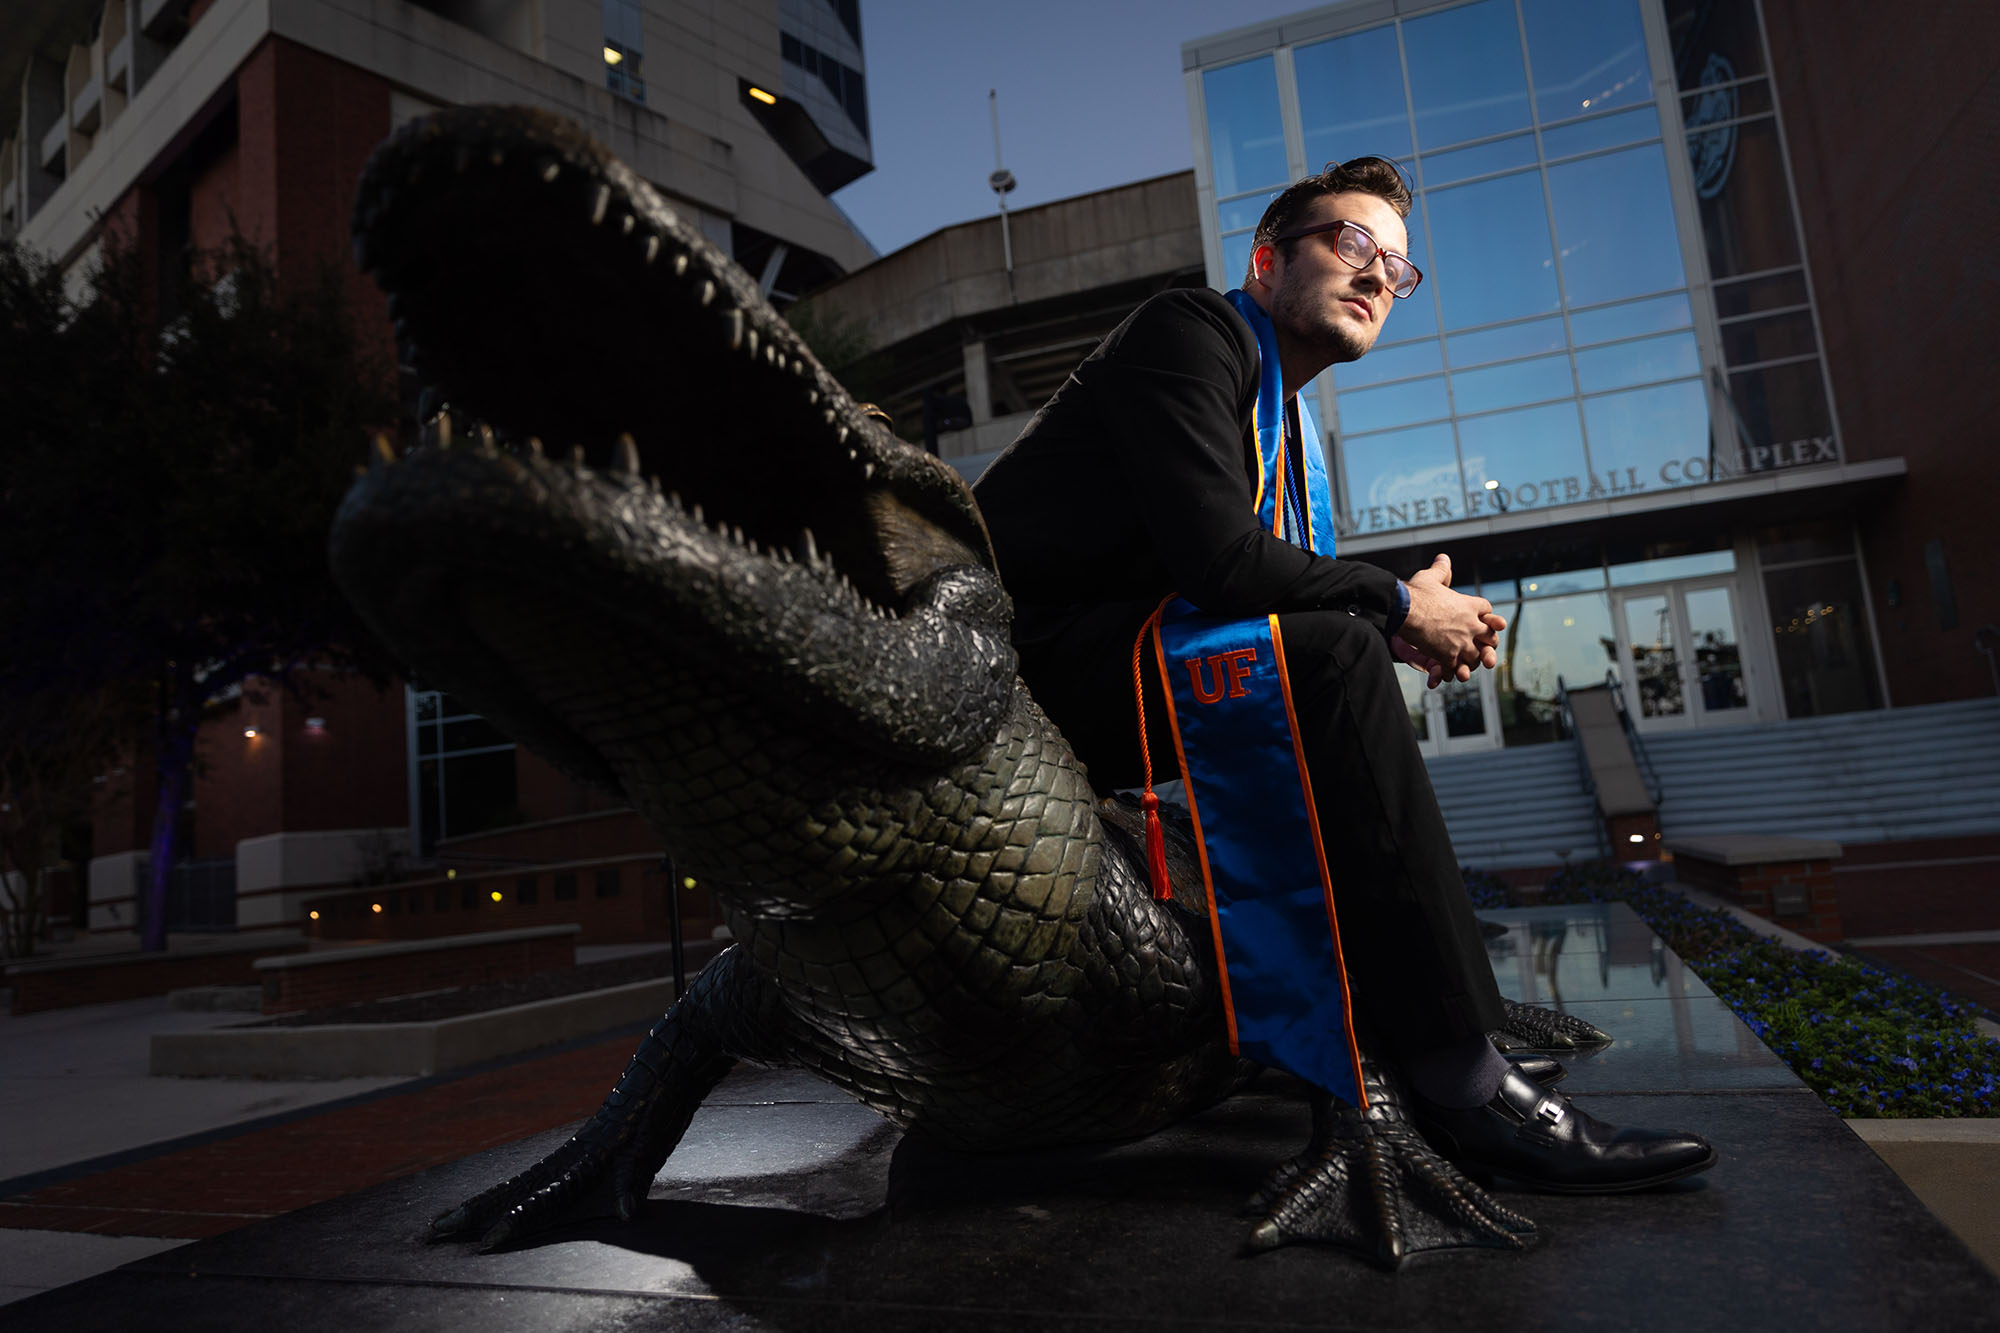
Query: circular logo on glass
{"points": [[1713, 151]]}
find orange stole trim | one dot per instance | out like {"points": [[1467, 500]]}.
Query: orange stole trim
{"points": [[1319, 854], [1284, 471], [1200, 842], [1257, 500]]}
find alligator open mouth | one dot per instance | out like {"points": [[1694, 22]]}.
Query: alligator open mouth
{"points": [[637, 441]]}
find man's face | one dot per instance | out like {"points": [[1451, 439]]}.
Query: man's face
{"points": [[1320, 300]]}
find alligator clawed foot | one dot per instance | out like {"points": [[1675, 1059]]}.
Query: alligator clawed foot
{"points": [[1532, 1028], [1370, 1184]]}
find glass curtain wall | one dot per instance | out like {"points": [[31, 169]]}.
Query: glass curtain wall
{"points": [[1550, 356]]}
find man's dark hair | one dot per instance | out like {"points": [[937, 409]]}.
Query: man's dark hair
{"points": [[1366, 175]]}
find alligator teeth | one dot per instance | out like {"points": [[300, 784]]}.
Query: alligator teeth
{"points": [[535, 446], [840, 437], [674, 499], [441, 431], [707, 291], [750, 337], [812, 397], [600, 204], [680, 265], [696, 514], [734, 319], [653, 485], [628, 455], [626, 224], [652, 248], [551, 170], [829, 416], [576, 458], [486, 443], [867, 472], [807, 550]]}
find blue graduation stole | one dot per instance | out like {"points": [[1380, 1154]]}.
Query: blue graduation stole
{"points": [[1270, 898]]}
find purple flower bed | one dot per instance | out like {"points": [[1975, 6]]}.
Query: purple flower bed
{"points": [[1870, 1043]]}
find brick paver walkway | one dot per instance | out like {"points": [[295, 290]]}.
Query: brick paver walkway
{"points": [[232, 1182]]}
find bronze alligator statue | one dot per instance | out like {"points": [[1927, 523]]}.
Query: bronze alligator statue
{"points": [[664, 549]]}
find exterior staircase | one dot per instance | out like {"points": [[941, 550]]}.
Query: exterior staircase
{"points": [[1521, 807]]}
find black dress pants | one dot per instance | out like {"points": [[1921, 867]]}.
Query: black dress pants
{"points": [[1416, 962]]}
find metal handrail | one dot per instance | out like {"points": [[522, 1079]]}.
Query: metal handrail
{"points": [[1647, 772], [1568, 716]]}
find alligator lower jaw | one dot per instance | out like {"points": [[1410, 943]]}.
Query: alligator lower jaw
{"points": [[550, 292]]}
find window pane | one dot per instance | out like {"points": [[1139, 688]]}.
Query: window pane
{"points": [[1401, 479], [1474, 349], [1616, 224], [1587, 55], [1781, 411], [1391, 363], [1245, 212], [1416, 317], [1647, 439], [1746, 220], [1511, 385], [1631, 319], [1351, 98], [1529, 452], [1393, 405], [1550, 637], [1547, 570], [1824, 665], [1713, 105], [1652, 567], [1413, 702], [1656, 670], [1494, 260], [1718, 660], [1586, 136], [1832, 539], [1641, 362], [479, 793], [1236, 257], [1713, 42], [1766, 293], [1466, 79], [1246, 139], [1768, 339], [1463, 163]]}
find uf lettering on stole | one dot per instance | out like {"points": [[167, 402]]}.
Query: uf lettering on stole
{"points": [[1234, 664]]}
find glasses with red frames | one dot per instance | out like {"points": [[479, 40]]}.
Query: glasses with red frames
{"points": [[1357, 248]]}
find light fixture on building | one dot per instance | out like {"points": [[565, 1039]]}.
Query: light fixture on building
{"points": [[374, 907], [688, 882], [249, 733], [451, 874], [497, 895], [1636, 837], [1492, 485], [767, 99], [313, 915], [613, 56]]}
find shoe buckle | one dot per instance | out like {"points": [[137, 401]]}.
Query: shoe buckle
{"points": [[1551, 1111]]}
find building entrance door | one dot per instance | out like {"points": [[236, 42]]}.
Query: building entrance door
{"points": [[1680, 654], [1453, 717]]}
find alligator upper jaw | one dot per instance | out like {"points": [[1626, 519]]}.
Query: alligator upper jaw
{"points": [[548, 290]]}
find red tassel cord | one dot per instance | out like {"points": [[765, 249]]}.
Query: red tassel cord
{"points": [[1156, 838]]}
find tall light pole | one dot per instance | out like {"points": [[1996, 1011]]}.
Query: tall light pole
{"points": [[1002, 181]]}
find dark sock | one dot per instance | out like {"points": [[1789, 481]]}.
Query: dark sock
{"points": [[1460, 1076]]}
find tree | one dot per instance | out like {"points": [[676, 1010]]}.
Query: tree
{"points": [[54, 750], [165, 504]]}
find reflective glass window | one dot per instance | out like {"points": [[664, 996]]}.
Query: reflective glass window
{"points": [[1824, 662], [1643, 361], [1586, 136], [1390, 363], [1512, 384], [1662, 568], [1549, 638], [1482, 160], [1746, 217], [1415, 317], [1768, 339], [1773, 291], [1521, 450], [1781, 412], [1413, 702], [1246, 138], [1236, 257], [1502, 344], [1648, 439], [1825, 540], [1588, 55], [1718, 103], [1544, 572], [1393, 405], [1492, 252], [1631, 319], [1615, 221], [1245, 212], [1466, 77], [1351, 98], [1713, 42], [1401, 478]]}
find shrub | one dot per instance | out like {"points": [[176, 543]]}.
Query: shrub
{"points": [[1488, 890], [1869, 1042]]}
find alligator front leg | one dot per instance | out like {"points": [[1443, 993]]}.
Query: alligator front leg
{"points": [[1530, 1027], [608, 1166], [1368, 1182]]}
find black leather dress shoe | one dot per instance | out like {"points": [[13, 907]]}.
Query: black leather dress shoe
{"points": [[1544, 1069], [1539, 1137]]}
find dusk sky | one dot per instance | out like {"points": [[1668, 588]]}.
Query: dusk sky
{"points": [[1091, 95]]}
